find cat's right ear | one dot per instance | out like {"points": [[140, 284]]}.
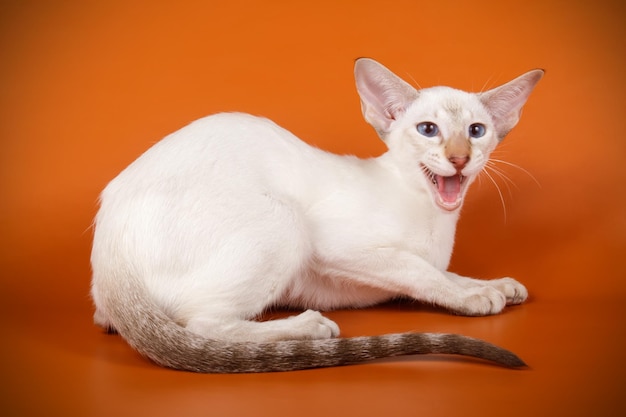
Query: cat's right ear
{"points": [[505, 102], [384, 95]]}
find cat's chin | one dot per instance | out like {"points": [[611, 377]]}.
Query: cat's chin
{"points": [[448, 191]]}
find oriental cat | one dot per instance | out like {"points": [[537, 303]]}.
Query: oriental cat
{"points": [[233, 215]]}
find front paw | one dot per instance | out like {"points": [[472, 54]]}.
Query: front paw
{"points": [[482, 301], [514, 292]]}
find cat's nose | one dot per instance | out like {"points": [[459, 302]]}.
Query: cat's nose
{"points": [[459, 162]]}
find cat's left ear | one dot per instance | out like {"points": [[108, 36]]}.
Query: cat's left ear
{"points": [[384, 95], [505, 102]]}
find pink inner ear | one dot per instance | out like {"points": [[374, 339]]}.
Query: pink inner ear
{"points": [[384, 96], [505, 102], [376, 108]]}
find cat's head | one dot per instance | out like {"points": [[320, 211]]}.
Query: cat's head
{"points": [[439, 137]]}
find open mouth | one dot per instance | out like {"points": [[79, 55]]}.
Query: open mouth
{"points": [[448, 191]]}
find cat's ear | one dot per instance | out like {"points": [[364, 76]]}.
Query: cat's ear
{"points": [[505, 102], [384, 95]]}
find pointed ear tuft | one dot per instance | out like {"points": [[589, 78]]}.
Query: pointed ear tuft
{"points": [[505, 102], [384, 95]]}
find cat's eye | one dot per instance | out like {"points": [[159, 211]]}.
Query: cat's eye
{"points": [[428, 129], [477, 130]]}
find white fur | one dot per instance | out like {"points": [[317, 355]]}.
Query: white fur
{"points": [[232, 214]]}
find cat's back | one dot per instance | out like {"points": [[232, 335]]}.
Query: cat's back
{"points": [[222, 158], [234, 128], [237, 134], [216, 145]]}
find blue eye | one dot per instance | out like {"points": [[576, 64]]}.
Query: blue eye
{"points": [[428, 129], [477, 130]]}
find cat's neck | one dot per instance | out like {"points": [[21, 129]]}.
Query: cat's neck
{"points": [[428, 227]]}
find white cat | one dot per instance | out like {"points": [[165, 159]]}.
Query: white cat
{"points": [[232, 215]]}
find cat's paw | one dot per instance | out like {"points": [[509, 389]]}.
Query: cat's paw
{"points": [[514, 292], [313, 325], [482, 302]]}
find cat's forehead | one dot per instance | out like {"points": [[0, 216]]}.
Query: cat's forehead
{"points": [[448, 103]]}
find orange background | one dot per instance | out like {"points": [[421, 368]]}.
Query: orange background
{"points": [[87, 86]]}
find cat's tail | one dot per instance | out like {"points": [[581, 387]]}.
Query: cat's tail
{"points": [[153, 334]]}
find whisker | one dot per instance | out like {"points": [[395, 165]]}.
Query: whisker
{"points": [[525, 171], [427, 172], [501, 173], [507, 181], [419, 87], [484, 87], [499, 191]]}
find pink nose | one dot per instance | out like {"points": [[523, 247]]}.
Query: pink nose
{"points": [[459, 162]]}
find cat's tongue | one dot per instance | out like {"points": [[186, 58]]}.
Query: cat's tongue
{"points": [[449, 188]]}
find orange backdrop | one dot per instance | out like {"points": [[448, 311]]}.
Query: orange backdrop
{"points": [[87, 86]]}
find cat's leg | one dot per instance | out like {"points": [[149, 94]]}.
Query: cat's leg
{"points": [[406, 274], [514, 291], [248, 272], [226, 310], [101, 317], [307, 325]]}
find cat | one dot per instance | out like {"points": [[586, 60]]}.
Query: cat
{"points": [[233, 215]]}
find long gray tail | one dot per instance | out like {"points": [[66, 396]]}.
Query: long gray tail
{"points": [[147, 329]]}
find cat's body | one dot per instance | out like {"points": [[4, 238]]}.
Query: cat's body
{"points": [[233, 214]]}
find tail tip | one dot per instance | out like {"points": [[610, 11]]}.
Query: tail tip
{"points": [[514, 361]]}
